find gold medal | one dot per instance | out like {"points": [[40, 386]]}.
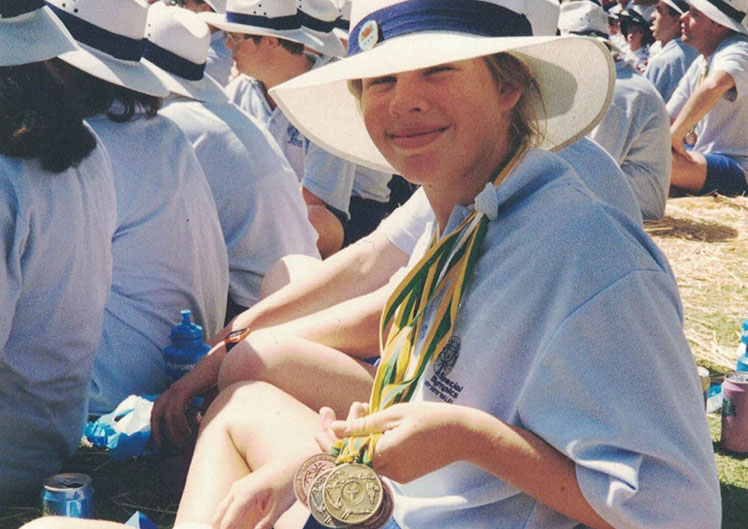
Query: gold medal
{"points": [[383, 514], [691, 138], [353, 493], [317, 503], [308, 472]]}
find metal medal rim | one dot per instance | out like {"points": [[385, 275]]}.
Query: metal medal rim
{"points": [[316, 513], [383, 514], [301, 477], [337, 512]]}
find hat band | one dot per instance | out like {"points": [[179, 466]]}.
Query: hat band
{"points": [[173, 63], [308, 21], [728, 10], [591, 33], [118, 46], [681, 5], [342, 23], [463, 16], [287, 22], [16, 8]]}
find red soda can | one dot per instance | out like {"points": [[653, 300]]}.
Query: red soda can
{"points": [[735, 412]]}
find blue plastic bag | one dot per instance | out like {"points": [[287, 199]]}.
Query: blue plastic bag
{"points": [[140, 521], [126, 431]]}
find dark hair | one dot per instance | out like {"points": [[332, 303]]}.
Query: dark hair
{"points": [[294, 48], [95, 96], [36, 122]]}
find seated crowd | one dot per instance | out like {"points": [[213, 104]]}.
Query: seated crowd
{"points": [[240, 159]]}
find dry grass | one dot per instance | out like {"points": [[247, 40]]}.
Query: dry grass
{"points": [[705, 241]]}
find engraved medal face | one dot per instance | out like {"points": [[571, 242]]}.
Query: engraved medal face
{"points": [[353, 493], [308, 471], [317, 503], [383, 514], [691, 138]]}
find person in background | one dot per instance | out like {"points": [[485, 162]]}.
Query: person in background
{"points": [[635, 27], [262, 214], [709, 108], [345, 200], [666, 69], [58, 211], [168, 248], [635, 129]]}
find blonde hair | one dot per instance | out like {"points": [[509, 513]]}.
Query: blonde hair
{"points": [[506, 69]]}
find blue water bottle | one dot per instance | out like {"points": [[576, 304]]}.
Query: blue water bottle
{"points": [[186, 348], [742, 357]]}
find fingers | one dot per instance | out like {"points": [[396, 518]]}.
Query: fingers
{"points": [[360, 424], [327, 416], [326, 439]]}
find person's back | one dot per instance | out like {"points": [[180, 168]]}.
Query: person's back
{"points": [[58, 217], [636, 132], [262, 215], [667, 68], [168, 255]]}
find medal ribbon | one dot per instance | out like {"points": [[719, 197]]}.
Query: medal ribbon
{"points": [[444, 270]]}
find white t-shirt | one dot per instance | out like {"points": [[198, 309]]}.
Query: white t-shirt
{"points": [[327, 176], [666, 69], [571, 327], [262, 213], [55, 239], [219, 61], [168, 254], [597, 170], [722, 130], [636, 132]]}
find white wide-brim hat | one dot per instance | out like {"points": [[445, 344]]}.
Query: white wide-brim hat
{"points": [[317, 18], [342, 24], [32, 36], [128, 70], [177, 42], [732, 14], [219, 6], [681, 6], [576, 75], [586, 19]]}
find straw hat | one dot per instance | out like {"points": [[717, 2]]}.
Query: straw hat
{"points": [[276, 18], [177, 42], [110, 36], [732, 14], [575, 74], [22, 24], [219, 6]]}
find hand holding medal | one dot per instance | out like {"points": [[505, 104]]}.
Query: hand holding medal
{"points": [[352, 494]]}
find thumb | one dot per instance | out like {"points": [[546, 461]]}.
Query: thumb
{"points": [[375, 423]]}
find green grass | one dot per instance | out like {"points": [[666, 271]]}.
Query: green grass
{"points": [[733, 478]]}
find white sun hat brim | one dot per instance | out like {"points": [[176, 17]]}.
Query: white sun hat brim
{"points": [[325, 43], [219, 6], [576, 76], [219, 21], [33, 37], [135, 75], [714, 13], [206, 89]]}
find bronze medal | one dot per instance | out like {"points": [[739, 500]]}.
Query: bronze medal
{"points": [[353, 493], [317, 503], [308, 472], [691, 138], [383, 514]]}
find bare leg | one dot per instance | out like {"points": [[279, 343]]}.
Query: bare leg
{"points": [[689, 171], [314, 374], [56, 522], [252, 427]]}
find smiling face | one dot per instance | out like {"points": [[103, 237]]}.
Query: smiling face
{"points": [[445, 125]]}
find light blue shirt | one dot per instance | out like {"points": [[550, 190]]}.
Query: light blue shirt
{"points": [[636, 132], [329, 177], [168, 254], [55, 241], [219, 61], [666, 69], [571, 327], [262, 213], [595, 167]]}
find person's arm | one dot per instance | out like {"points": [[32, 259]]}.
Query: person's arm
{"points": [[419, 438], [354, 271], [703, 99]]}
